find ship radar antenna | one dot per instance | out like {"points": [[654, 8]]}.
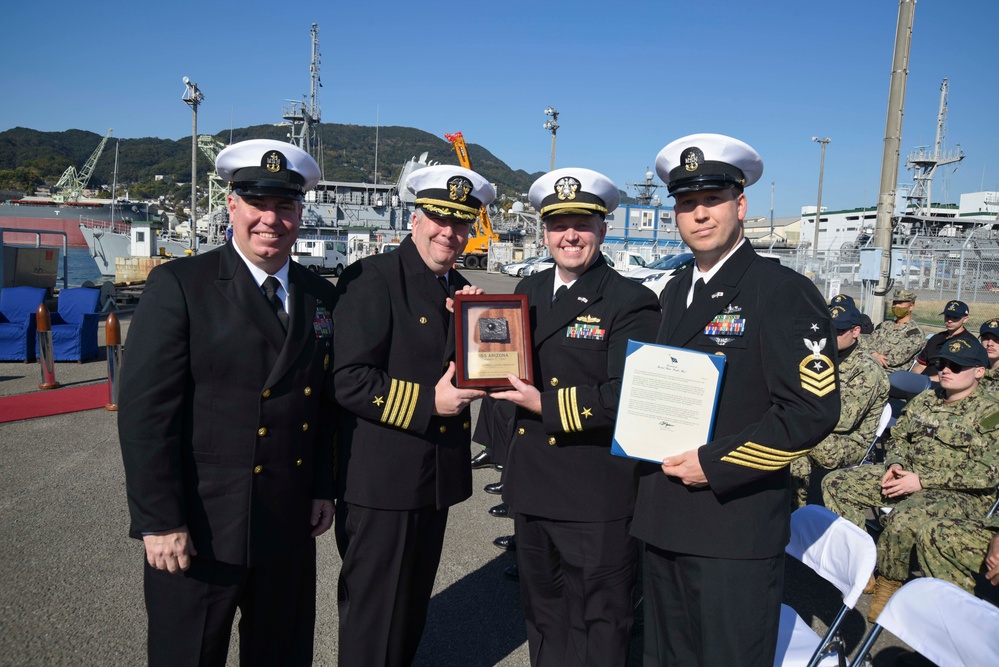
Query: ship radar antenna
{"points": [[647, 189], [305, 115], [924, 164]]}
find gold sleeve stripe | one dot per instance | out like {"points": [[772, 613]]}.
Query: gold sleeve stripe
{"points": [[760, 457], [575, 411], [391, 400], [562, 411], [401, 403]]}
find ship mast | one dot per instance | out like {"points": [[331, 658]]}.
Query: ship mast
{"points": [[647, 189], [304, 115], [924, 165]]}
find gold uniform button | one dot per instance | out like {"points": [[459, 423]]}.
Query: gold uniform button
{"points": [[423, 320], [466, 426], [551, 440], [443, 428], [298, 462], [308, 391], [305, 426], [554, 382], [521, 431], [267, 393], [258, 469], [326, 362], [262, 431]]}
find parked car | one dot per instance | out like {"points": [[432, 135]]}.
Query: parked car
{"points": [[517, 268], [666, 267], [545, 262]]}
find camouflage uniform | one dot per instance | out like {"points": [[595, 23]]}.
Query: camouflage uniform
{"points": [[990, 382], [863, 393], [954, 549], [951, 446], [899, 343]]}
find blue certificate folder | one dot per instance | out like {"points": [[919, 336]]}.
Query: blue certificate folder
{"points": [[669, 397]]}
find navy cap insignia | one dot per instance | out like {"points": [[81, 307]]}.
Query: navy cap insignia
{"points": [[956, 346], [692, 158], [458, 188], [274, 161], [567, 187]]}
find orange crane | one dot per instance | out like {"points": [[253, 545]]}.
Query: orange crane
{"points": [[477, 251]]}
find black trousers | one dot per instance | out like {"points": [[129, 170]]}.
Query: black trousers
{"points": [[190, 614], [706, 612], [577, 583], [390, 560]]}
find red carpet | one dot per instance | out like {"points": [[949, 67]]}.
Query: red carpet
{"points": [[53, 402]]}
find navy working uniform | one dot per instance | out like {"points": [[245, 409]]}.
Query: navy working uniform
{"points": [[714, 553], [226, 428], [400, 466], [572, 499]]}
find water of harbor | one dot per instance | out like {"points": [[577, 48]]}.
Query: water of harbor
{"points": [[81, 267]]}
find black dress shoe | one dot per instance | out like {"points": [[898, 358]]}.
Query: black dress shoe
{"points": [[512, 573], [495, 488], [506, 543], [482, 460], [500, 510], [498, 466]]}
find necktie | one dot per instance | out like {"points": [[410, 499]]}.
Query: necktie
{"points": [[559, 293], [443, 281], [698, 286], [271, 286]]}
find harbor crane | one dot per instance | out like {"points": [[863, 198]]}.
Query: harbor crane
{"points": [[71, 183], [477, 251]]}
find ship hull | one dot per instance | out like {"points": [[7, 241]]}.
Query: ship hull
{"points": [[65, 218]]}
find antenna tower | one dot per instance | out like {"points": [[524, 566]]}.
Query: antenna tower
{"points": [[647, 189], [305, 115], [924, 165]]}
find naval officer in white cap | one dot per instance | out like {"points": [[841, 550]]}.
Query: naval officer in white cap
{"points": [[715, 519], [572, 500], [226, 428], [404, 432]]}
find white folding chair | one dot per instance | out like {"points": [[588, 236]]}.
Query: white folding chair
{"points": [[942, 623], [842, 554], [884, 421]]}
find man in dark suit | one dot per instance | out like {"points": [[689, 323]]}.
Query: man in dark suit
{"points": [[715, 520], [226, 432], [404, 433], [572, 499]]}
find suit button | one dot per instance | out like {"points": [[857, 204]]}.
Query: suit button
{"points": [[466, 426], [551, 440], [298, 462], [258, 469], [443, 428], [262, 431], [308, 391], [521, 431], [305, 427], [267, 393], [326, 362], [554, 382]]}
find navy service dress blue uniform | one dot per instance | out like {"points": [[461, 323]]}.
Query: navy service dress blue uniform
{"points": [[571, 498], [713, 567], [226, 428], [400, 466]]}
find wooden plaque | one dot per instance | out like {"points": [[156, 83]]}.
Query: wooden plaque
{"points": [[493, 338]]}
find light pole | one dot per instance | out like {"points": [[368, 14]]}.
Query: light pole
{"points": [[193, 96], [818, 205], [553, 126]]}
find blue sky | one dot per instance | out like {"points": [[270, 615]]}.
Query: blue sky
{"points": [[627, 77]]}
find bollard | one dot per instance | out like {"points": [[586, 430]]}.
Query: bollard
{"points": [[46, 357], [112, 338]]}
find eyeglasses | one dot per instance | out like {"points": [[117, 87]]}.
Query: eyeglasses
{"points": [[953, 367]]}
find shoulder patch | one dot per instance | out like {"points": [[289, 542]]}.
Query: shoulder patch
{"points": [[989, 422], [914, 332]]}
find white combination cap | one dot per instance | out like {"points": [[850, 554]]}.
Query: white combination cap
{"points": [[708, 162], [447, 191], [267, 168], [574, 190]]}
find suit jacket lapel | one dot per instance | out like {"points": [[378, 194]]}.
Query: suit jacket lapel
{"points": [[239, 288], [718, 294], [583, 294]]}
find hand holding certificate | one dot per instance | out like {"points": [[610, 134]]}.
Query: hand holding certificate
{"points": [[668, 401]]}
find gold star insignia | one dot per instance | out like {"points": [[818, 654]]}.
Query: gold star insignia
{"points": [[378, 401], [587, 413]]}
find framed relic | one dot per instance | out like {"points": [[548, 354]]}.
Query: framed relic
{"points": [[492, 339]]}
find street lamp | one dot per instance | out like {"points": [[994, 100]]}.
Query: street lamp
{"points": [[818, 205], [193, 97], [553, 126]]}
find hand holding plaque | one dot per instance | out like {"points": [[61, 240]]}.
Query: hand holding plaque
{"points": [[493, 339]]}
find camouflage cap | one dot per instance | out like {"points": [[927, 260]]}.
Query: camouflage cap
{"points": [[903, 295], [964, 352]]}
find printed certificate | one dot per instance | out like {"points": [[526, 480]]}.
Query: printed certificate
{"points": [[668, 401]]}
